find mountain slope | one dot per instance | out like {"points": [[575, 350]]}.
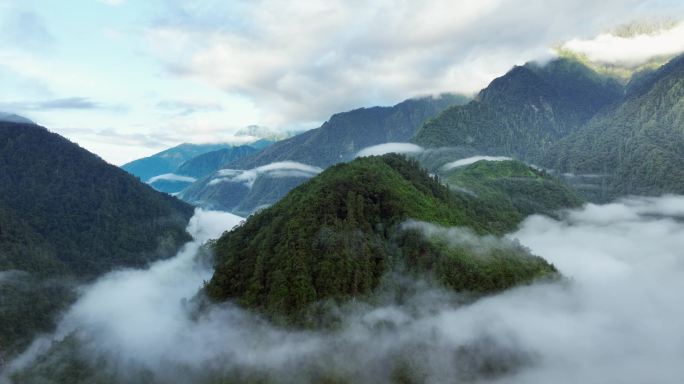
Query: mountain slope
{"points": [[523, 112], [66, 215], [205, 164], [637, 147], [346, 133], [517, 189], [336, 236]]}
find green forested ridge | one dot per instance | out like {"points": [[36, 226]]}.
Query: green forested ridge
{"points": [[523, 112], [67, 214], [638, 147], [514, 187], [335, 236]]}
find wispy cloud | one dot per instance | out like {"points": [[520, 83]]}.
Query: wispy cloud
{"points": [[381, 149], [63, 103]]}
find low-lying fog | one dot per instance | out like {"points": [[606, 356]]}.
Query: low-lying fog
{"points": [[618, 318]]}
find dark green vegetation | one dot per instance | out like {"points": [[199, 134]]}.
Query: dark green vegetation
{"points": [[169, 160], [525, 111], [638, 147], [515, 188], [337, 235], [607, 140], [346, 133], [65, 216]]}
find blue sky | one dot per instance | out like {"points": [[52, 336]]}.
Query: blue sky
{"points": [[128, 78]]}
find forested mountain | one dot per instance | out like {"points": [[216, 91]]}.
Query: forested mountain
{"points": [[68, 216], [244, 191], [346, 133], [337, 235], [12, 118], [168, 160], [339, 139], [637, 147], [516, 189], [525, 111], [205, 164]]}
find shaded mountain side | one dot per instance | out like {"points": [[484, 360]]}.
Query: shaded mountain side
{"points": [[337, 235], [168, 160], [244, 191], [66, 214], [207, 163], [635, 148], [346, 133], [524, 112]]}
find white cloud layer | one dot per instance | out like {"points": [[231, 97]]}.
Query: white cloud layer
{"points": [[617, 319], [303, 62], [277, 169], [381, 149], [608, 48], [471, 160], [171, 177]]}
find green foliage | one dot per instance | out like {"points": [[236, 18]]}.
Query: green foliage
{"points": [[335, 236], [514, 188], [65, 213], [523, 112], [639, 145]]}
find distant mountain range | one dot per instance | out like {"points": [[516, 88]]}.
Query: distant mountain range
{"points": [[66, 217], [337, 140], [172, 170]]}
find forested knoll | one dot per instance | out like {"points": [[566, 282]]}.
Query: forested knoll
{"points": [[337, 235], [525, 111], [66, 215]]}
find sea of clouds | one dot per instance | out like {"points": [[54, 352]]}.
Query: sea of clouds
{"points": [[616, 318]]}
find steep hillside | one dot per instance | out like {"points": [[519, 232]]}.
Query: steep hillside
{"points": [[66, 215], [516, 188], [525, 111], [244, 191], [346, 133], [205, 164], [336, 236], [635, 148], [168, 160]]}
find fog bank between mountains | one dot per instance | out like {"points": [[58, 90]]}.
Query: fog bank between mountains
{"points": [[616, 318]]}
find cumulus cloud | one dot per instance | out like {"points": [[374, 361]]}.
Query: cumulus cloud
{"points": [[381, 149], [171, 177], [617, 318], [305, 62], [277, 169], [630, 50], [471, 160]]}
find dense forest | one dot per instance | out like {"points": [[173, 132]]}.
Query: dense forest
{"points": [[66, 216], [636, 148], [337, 235], [523, 112]]}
